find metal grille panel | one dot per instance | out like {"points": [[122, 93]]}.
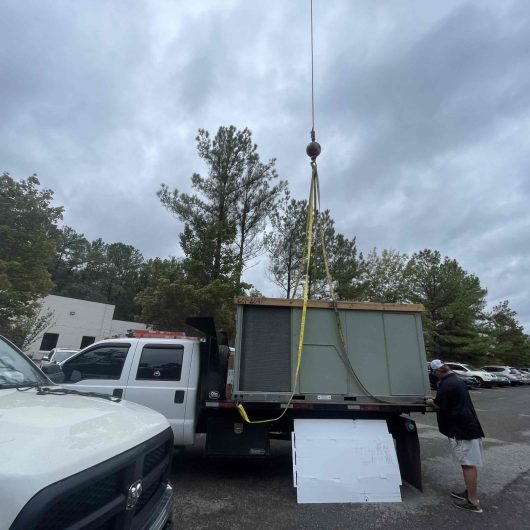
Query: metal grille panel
{"points": [[96, 497], [153, 458], [82, 502], [266, 349]]}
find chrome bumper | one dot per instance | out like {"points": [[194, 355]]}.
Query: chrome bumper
{"points": [[161, 518]]}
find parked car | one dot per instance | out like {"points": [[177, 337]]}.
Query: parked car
{"points": [[525, 378], [470, 381], [58, 355], [525, 372], [484, 377], [507, 371], [502, 380]]}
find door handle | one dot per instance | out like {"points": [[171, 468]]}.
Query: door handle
{"points": [[179, 396], [118, 392]]}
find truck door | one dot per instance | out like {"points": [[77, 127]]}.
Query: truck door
{"points": [[103, 368], [159, 379]]}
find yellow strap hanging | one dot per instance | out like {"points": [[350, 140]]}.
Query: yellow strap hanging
{"points": [[313, 198]]}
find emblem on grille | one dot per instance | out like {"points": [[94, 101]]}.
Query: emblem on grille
{"points": [[133, 496]]}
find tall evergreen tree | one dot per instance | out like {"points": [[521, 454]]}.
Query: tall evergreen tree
{"points": [[223, 221], [454, 301], [287, 247], [509, 344], [285, 243], [384, 276], [71, 258]]}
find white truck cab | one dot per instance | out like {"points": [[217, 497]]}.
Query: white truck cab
{"points": [[161, 374], [78, 461]]}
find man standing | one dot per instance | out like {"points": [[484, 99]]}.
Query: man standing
{"points": [[458, 421]]}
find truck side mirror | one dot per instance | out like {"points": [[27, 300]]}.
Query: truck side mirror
{"points": [[54, 372], [75, 376]]}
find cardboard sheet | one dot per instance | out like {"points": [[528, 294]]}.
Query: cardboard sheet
{"points": [[344, 461]]}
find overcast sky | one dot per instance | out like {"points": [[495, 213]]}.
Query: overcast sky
{"points": [[422, 110]]}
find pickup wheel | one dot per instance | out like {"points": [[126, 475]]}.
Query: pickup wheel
{"points": [[480, 381]]}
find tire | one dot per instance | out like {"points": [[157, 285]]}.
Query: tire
{"points": [[480, 381]]}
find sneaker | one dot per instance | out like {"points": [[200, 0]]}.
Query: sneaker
{"points": [[460, 496], [469, 506]]}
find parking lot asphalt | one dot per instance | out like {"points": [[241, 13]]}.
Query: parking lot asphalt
{"points": [[259, 494]]}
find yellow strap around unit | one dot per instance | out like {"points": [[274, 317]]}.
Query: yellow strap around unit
{"points": [[313, 198]]}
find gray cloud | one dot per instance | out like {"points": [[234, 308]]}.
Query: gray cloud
{"points": [[422, 109]]}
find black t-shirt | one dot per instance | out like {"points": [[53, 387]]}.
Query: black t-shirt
{"points": [[456, 415]]}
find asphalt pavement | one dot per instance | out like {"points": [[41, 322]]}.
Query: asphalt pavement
{"points": [[259, 494]]}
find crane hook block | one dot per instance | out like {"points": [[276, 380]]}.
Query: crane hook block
{"points": [[313, 150]]}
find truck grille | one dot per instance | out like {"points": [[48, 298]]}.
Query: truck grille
{"points": [[97, 497]]}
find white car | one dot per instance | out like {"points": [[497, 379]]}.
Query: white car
{"points": [[485, 378], [507, 371], [58, 355]]}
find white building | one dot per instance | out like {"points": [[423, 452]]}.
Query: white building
{"points": [[76, 324]]}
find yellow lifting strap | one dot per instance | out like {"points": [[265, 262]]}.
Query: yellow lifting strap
{"points": [[314, 199]]}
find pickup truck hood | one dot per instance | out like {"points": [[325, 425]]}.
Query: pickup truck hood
{"points": [[46, 438]]}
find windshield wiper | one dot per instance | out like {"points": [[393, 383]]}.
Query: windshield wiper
{"points": [[60, 391], [22, 386]]}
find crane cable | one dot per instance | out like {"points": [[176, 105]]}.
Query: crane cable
{"points": [[313, 197], [313, 150]]}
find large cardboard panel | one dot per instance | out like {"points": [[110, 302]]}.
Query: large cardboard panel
{"points": [[344, 461]]}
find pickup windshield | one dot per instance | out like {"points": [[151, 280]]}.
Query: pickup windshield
{"points": [[16, 370]]}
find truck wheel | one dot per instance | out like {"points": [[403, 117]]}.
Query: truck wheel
{"points": [[224, 353]]}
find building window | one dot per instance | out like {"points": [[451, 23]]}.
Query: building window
{"points": [[49, 341], [105, 362], [87, 341], [161, 363]]}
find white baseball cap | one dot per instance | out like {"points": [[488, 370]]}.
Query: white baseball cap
{"points": [[436, 364]]}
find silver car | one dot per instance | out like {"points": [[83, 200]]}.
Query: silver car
{"points": [[57, 355], [511, 373], [485, 378]]}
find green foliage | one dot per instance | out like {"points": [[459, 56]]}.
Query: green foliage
{"points": [[454, 301], [223, 226], [286, 245], [224, 220], [98, 271], [28, 224], [170, 297], [71, 256], [384, 276], [345, 267], [509, 343]]}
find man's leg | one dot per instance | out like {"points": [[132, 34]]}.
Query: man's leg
{"points": [[470, 478]]}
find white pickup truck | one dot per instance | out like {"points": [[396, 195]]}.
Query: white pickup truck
{"points": [[162, 374], [201, 387], [69, 460]]}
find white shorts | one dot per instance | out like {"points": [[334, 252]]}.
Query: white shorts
{"points": [[467, 452]]}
